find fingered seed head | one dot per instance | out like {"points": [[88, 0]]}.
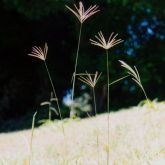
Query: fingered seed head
{"points": [[40, 53], [101, 42], [80, 12]]}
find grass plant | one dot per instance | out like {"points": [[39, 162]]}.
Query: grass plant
{"points": [[101, 42], [82, 16], [87, 79], [40, 53]]}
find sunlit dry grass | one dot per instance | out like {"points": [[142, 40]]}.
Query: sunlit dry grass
{"points": [[137, 137]]}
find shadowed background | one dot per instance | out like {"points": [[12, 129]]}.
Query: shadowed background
{"points": [[24, 82]]}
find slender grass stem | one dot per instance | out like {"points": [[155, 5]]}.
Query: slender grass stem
{"points": [[97, 140], [53, 89], [116, 81], [31, 138], [50, 114], [50, 104], [94, 100], [76, 62], [108, 105], [59, 110], [145, 94]]}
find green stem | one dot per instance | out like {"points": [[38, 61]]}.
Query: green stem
{"points": [[94, 100], [145, 94], [50, 114], [63, 130], [114, 82], [32, 133], [53, 89], [75, 67], [97, 136], [108, 104]]}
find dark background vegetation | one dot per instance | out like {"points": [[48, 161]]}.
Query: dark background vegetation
{"points": [[24, 82]]}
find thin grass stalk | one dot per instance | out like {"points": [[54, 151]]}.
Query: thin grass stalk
{"points": [[53, 89], [59, 110], [108, 105], [97, 140], [76, 62], [94, 101], [140, 84], [32, 134], [145, 95], [50, 113]]}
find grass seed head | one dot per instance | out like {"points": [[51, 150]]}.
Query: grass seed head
{"points": [[89, 80], [101, 42], [40, 53], [80, 12]]}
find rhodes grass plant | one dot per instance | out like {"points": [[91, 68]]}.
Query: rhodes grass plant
{"points": [[40, 53], [87, 79], [82, 16], [101, 42]]}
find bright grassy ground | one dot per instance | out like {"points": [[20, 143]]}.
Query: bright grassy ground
{"points": [[137, 137]]}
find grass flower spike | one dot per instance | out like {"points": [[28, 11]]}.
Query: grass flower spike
{"points": [[135, 76], [40, 53], [80, 12], [101, 42], [89, 80]]}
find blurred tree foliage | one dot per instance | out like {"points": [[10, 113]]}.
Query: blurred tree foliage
{"points": [[23, 80]]}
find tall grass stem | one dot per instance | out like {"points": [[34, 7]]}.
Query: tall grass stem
{"points": [[63, 130], [32, 134], [53, 89], [97, 140], [108, 105], [76, 62], [94, 101]]}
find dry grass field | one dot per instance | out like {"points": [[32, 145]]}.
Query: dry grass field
{"points": [[137, 137]]}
